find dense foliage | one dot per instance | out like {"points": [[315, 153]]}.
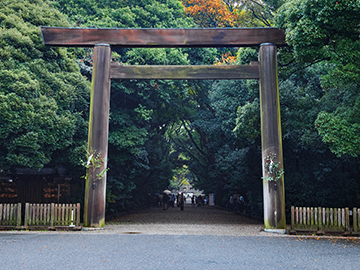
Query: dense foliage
{"points": [[43, 97], [164, 133]]}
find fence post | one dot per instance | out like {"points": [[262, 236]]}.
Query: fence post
{"points": [[335, 218], [304, 217], [32, 212], [7, 213], [312, 214], [42, 214], [1, 212], [35, 213], [355, 219], [26, 214], [63, 215], [45, 214], [48, 218], [19, 215], [331, 217], [12, 216], [358, 218], [347, 219], [327, 217], [4, 213], [78, 214], [52, 215], [67, 211]]}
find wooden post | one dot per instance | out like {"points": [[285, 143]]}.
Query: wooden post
{"points": [[11, 215], [347, 219], [1, 213], [18, 222], [7, 216], [37, 214], [327, 216], [95, 189], [26, 217], [355, 218], [271, 141], [67, 214], [77, 214], [331, 217], [336, 218], [52, 214], [312, 215]]}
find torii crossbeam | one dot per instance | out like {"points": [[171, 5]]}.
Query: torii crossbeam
{"points": [[103, 71]]}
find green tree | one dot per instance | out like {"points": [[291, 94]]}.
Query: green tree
{"points": [[43, 94], [327, 32], [324, 31]]}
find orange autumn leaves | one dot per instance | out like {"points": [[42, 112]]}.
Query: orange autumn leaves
{"points": [[210, 13], [226, 59]]}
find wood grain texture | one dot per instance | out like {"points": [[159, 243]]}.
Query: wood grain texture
{"points": [[220, 72], [155, 37]]}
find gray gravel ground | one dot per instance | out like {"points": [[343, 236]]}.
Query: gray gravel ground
{"points": [[193, 220], [198, 238]]}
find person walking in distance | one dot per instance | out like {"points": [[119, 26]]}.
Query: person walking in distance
{"points": [[181, 201], [165, 201]]}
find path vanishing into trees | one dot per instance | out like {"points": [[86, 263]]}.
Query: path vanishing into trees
{"points": [[204, 220]]}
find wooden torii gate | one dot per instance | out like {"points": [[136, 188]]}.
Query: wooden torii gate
{"points": [[103, 71]]}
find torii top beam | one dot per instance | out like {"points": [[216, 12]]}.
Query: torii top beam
{"points": [[156, 38]]}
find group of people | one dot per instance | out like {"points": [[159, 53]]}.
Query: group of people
{"points": [[167, 200], [198, 201], [236, 203]]}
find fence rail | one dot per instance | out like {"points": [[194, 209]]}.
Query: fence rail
{"points": [[10, 214], [52, 214], [325, 219]]}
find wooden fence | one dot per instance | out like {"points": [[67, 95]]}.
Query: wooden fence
{"points": [[36, 215], [325, 219], [52, 215], [10, 214]]}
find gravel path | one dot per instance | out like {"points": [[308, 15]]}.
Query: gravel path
{"points": [[192, 221]]}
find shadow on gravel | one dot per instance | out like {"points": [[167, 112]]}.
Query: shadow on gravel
{"points": [[190, 215]]}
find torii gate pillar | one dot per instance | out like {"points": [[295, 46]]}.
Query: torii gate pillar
{"points": [[95, 186], [271, 141]]}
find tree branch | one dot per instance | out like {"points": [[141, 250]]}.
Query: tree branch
{"points": [[192, 139]]}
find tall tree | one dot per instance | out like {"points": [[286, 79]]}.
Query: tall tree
{"points": [[43, 96], [327, 32]]}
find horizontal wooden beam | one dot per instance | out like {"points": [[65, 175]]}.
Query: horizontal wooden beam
{"points": [[218, 72], [155, 37]]}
